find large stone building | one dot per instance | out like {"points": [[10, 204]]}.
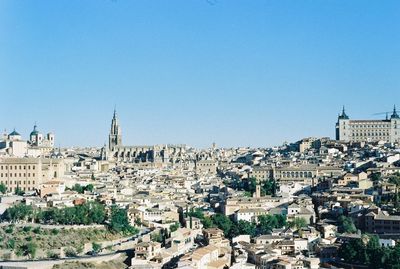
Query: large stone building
{"points": [[137, 154], [387, 130], [28, 173], [306, 173]]}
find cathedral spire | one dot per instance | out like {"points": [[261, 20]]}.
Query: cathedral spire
{"points": [[114, 138]]}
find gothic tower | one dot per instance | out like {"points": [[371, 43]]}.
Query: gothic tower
{"points": [[115, 137]]}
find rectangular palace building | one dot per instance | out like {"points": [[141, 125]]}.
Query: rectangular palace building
{"points": [[387, 130]]}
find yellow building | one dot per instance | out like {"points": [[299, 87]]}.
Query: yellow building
{"points": [[28, 173]]}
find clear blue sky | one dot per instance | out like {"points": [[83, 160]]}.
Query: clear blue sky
{"points": [[240, 73]]}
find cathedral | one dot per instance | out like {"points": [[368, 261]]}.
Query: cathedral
{"points": [[138, 154]]}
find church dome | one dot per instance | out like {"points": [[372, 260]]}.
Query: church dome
{"points": [[35, 131], [14, 133]]}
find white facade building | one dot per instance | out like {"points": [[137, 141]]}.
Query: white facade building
{"points": [[387, 130]]}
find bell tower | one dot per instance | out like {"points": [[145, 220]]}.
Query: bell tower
{"points": [[115, 137]]}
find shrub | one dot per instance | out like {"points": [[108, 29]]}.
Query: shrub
{"points": [[29, 249], [52, 255], [11, 244], [70, 252], [37, 230], [27, 228], [55, 231], [96, 247], [79, 249]]}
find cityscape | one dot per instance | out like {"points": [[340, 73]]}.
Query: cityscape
{"points": [[314, 203], [266, 134]]}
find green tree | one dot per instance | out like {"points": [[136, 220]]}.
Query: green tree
{"points": [[298, 223], [88, 213], [376, 176], [246, 227], [138, 222], [96, 247], [119, 221], [89, 187], [29, 249], [18, 212], [372, 249], [269, 222], [281, 220], [96, 212], [156, 237], [250, 185], [174, 227], [222, 222], [346, 225], [19, 191], [197, 213], [393, 258], [78, 188], [370, 254], [248, 194], [3, 188], [207, 222], [395, 179], [348, 251], [269, 187]]}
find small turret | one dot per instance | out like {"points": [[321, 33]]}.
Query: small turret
{"points": [[343, 116], [394, 115]]}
